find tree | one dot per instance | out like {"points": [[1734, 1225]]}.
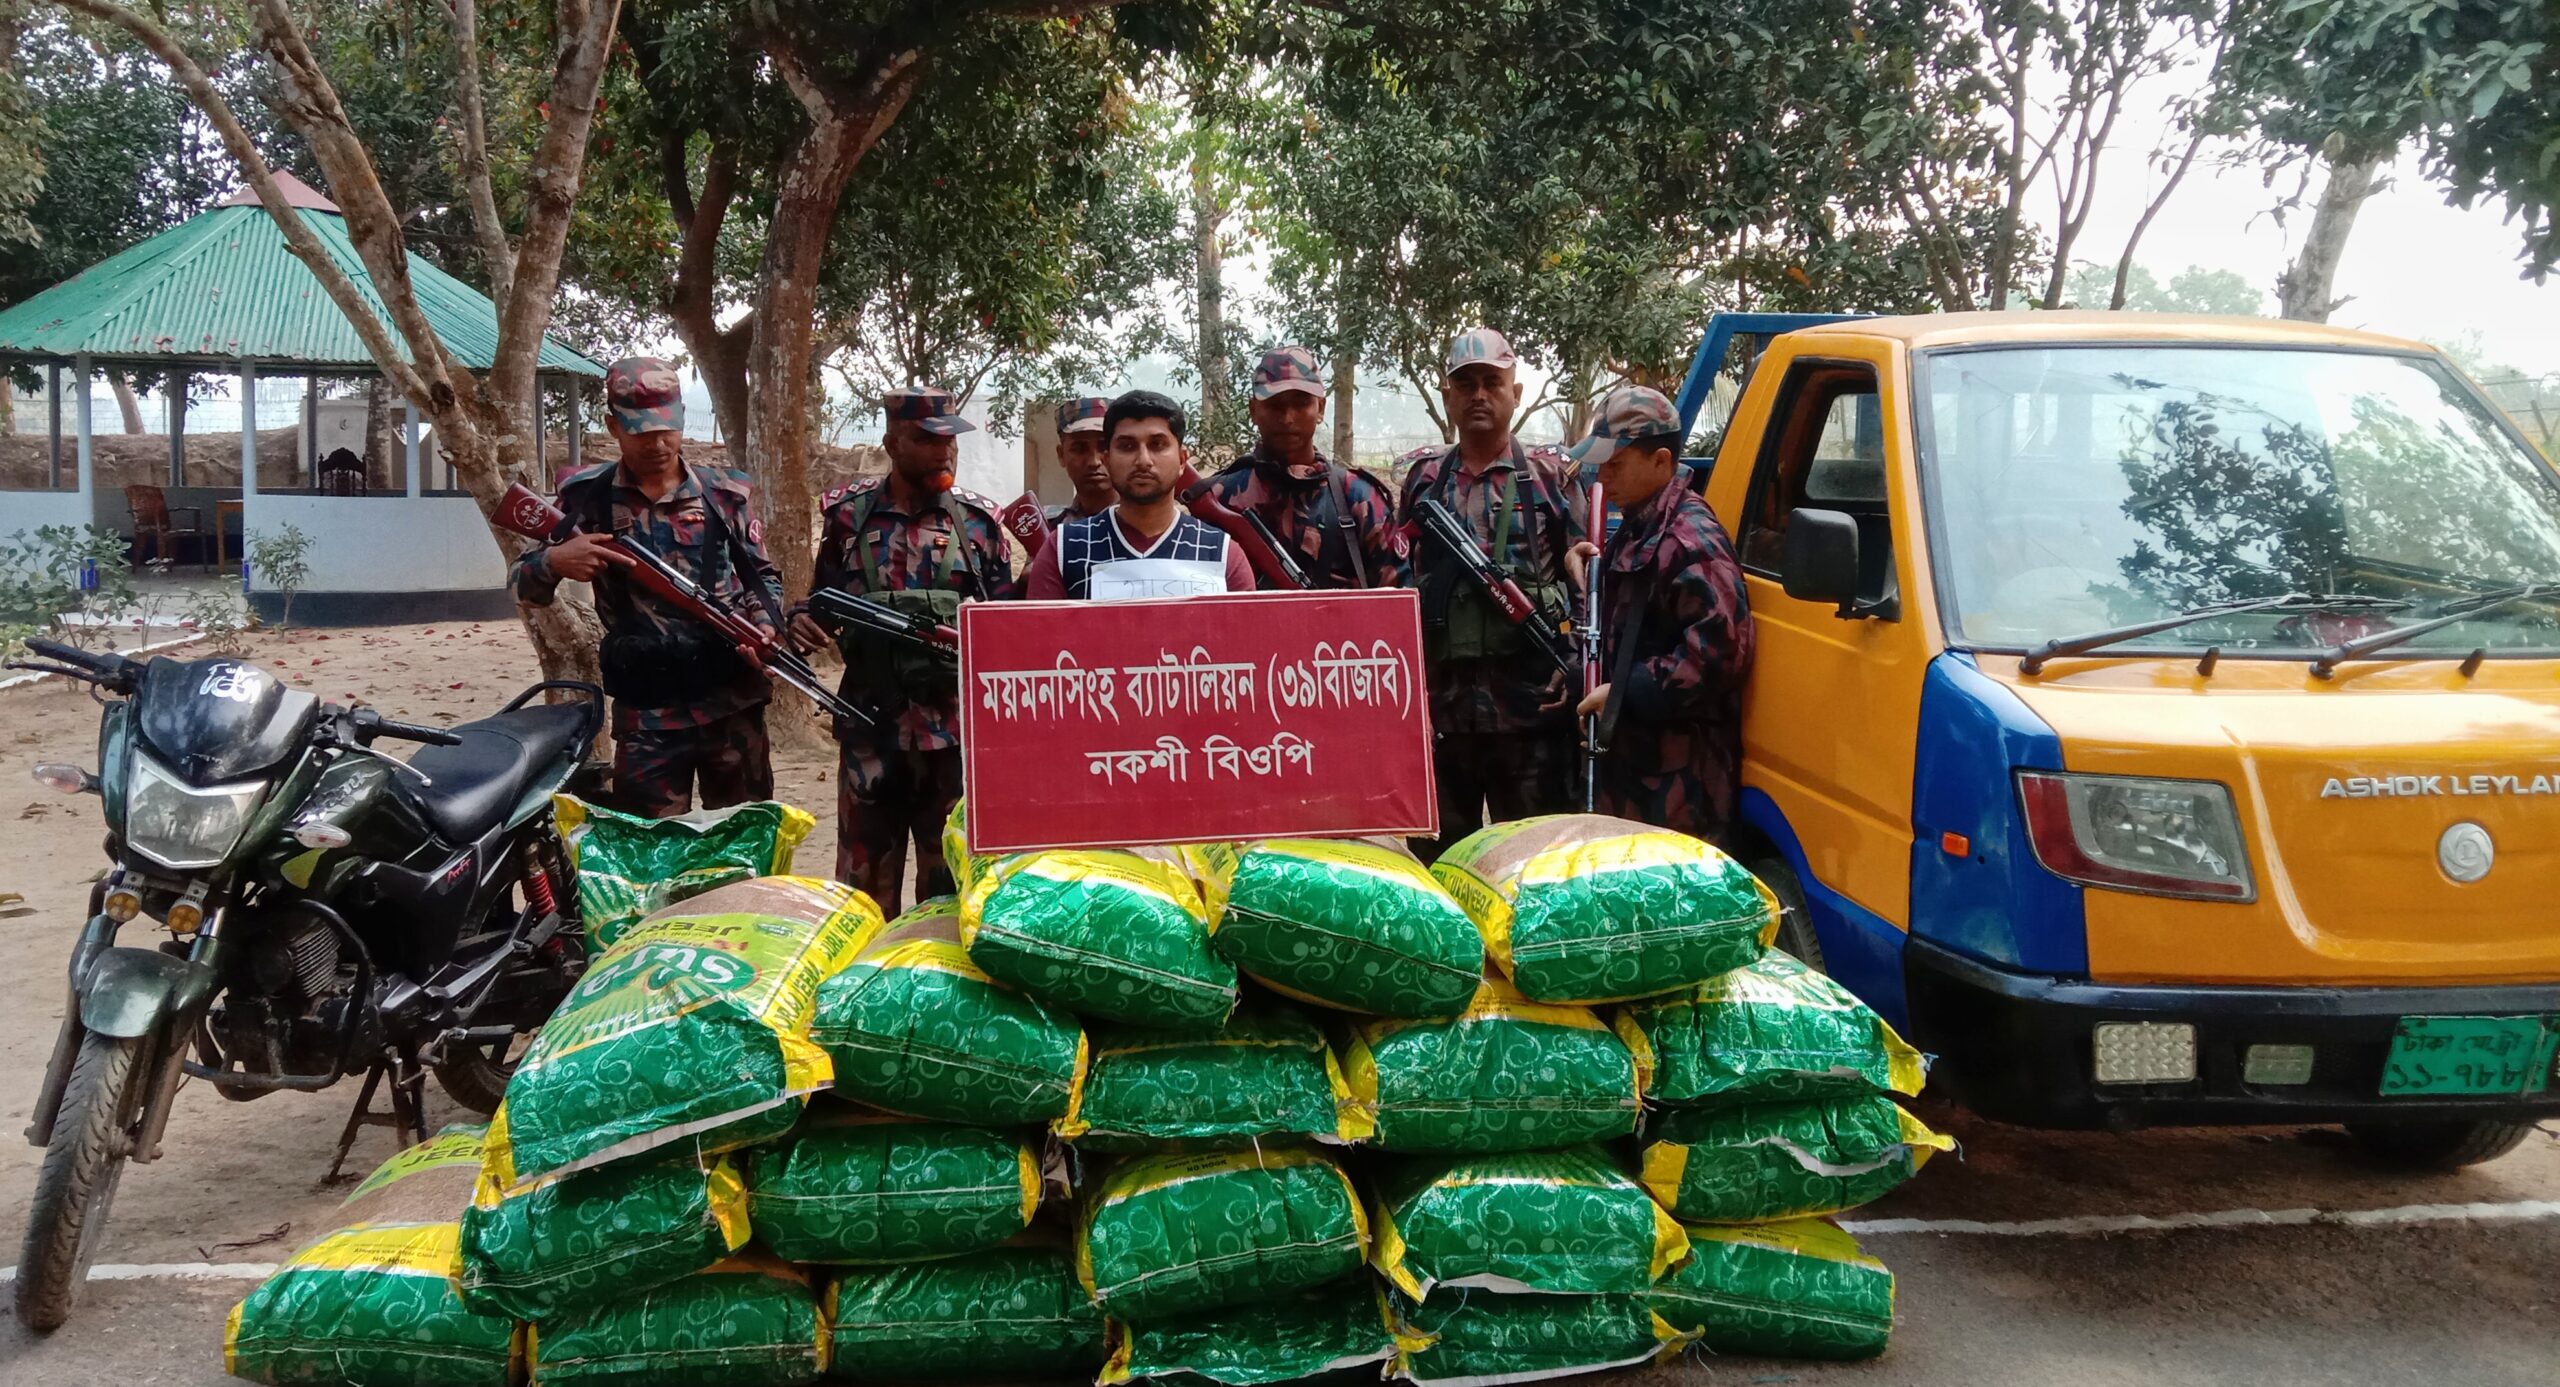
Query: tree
{"points": [[484, 421], [2194, 289], [759, 113]]}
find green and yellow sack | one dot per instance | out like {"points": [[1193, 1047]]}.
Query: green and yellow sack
{"points": [[966, 866], [1771, 1031], [750, 1321], [1108, 933], [1796, 1289], [1560, 1222], [1008, 1313], [1335, 1328], [693, 1025], [568, 1242], [629, 868], [1268, 1075], [915, 1027], [1487, 1340], [1508, 1075], [1182, 1235], [853, 1187], [1768, 1161], [1587, 908], [1356, 926], [374, 1302]]}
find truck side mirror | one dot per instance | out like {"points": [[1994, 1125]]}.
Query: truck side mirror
{"points": [[1821, 561]]}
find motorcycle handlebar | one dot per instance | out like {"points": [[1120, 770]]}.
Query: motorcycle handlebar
{"points": [[106, 667], [370, 724]]}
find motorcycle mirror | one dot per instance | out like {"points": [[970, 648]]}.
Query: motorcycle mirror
{"points": [[65, 780]]}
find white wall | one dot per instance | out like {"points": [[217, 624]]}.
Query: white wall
{"points": [[383, 543], [27, 510]]}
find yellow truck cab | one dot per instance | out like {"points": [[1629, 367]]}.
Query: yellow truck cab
{"points": [[2159, 717]]}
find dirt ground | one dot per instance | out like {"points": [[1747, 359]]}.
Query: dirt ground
{"points": [[2464, 1293]]}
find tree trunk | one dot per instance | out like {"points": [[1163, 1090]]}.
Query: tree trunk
{"points": [[1346, 386], [126, 404], [1209, 270], [2303, 291], [782, 362]]}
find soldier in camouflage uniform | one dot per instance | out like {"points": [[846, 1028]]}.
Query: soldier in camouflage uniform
{"points": [[1080, 449], [1503, 739], [686, 707], [1338, 522], [913, 541], [1676, 631]]}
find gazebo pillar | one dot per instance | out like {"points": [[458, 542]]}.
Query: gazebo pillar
{"points": [[577, 429], [541, 438], [53, 424], [88, 465], [177, 427], [409, 447], [311, 430]]}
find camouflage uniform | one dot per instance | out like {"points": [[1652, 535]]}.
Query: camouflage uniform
{"points": [[1496, 746], [898, 780], [1339, 523], [672, 729], [1676, 646]]}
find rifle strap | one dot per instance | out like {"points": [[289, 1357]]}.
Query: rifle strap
{"points": [[1625, 664], [741, 563], [1344, 531]]}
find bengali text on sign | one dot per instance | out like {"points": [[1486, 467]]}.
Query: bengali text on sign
{"points": [[1200, 719]]}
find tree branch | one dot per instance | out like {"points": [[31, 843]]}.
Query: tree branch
{"points": [[299, 238], [559, 167], [495, 254]]}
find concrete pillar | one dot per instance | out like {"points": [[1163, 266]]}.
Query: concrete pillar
{"points": [[311, 431], [409, 448], [88, 464], [53, 424], [248, 463], [177, 427], [577, 429]]}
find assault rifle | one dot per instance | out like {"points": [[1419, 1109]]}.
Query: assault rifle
{"points": [[1592, 675], [527, 514], [1432, 521], [842, 610], [1261, 547]]}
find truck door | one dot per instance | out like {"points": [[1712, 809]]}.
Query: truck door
{"points": [[1833, 704]]}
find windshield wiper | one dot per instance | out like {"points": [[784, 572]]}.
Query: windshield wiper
{"points": [[2460, 609], [2288, 602]]}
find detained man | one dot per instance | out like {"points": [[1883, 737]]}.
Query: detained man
{"points": [[1143, 545]]}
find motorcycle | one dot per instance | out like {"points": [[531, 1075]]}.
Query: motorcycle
{"points": [[331, 910]]}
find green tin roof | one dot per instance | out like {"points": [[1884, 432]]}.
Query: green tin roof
{"points": [[222, 286]]}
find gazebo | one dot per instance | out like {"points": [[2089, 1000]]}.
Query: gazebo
{"points": [[221, 293]]}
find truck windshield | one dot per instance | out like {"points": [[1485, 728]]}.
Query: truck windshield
{"points": [[2081, 488]]}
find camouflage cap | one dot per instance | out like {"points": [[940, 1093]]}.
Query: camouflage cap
{"points": [[1284, 369], [1083, 414], [1481, 346], [645, 395], [1630, 411], [931, 408]]}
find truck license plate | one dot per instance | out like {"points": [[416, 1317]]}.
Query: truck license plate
{"points": [[2458, 1056]]}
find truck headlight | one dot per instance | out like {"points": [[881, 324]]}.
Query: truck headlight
{"points": [[2131, 833], [177, 825]]}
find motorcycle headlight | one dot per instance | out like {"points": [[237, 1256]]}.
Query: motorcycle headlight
{"points": [[177, 825]]}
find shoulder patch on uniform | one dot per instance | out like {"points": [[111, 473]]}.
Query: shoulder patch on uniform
{"points": [[1549, 455], [975, 501], [1418, 456], [1370, 477], [855, 487], [729, 479], [589, 473]]}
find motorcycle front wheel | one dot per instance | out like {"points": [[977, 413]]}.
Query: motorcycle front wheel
{"points": [[92, 1136]]}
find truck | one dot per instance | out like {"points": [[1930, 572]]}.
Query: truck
{"points": [[2157, 718]]}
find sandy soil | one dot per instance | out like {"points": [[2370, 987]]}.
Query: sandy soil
{"points": [[2468, 1302]]}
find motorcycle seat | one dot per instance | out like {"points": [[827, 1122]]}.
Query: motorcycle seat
{"points": [[471, 786]]}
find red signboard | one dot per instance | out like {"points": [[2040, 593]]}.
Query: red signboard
{"points": [[1195, 719]]}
